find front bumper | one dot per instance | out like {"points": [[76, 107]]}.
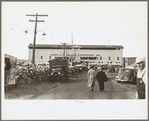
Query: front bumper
{"points": [[121, 80]]}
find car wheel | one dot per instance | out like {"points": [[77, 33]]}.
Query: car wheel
{"points": [[55, 78], [63, 78]]}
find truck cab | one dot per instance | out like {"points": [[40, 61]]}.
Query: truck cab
{"points": [[59, 69]]}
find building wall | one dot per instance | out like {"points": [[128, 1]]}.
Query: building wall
{"points": [[102, 56], [128, 61], [131, 61]]}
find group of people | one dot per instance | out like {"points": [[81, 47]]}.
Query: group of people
{"points": [[101, 78], [92, 76]]}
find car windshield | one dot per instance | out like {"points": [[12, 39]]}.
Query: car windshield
{"points": [[126, 73], [126, 70], [56, 67], [53, 69]]}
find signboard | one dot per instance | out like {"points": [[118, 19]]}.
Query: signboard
{"points": [[73, 54]]}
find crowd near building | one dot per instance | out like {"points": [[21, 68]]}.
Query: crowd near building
{"points": [[94, 54]]}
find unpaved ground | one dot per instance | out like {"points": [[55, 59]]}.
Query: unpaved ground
{"points": [[30, 90], [26, 91]]}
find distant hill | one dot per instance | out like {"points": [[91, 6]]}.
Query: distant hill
{"points": [[21, 61]]}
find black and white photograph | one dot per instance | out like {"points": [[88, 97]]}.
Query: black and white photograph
{"points": [[74, 60]]}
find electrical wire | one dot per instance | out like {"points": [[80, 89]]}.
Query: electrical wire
{"points": [[22, 28], [49, 30], [28, 31]]}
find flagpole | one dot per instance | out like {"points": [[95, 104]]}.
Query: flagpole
{"points": [[72, 38]]}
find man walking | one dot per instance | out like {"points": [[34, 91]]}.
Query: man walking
{"points": [[101, 77], [91, 78]]}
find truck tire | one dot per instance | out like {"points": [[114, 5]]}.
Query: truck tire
{"points": [[63, 78], [55, 79]]}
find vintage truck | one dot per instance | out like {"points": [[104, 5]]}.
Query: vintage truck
{"points": [[59, 69]]}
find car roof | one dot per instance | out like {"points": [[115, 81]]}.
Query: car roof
{"points": [[126, 68]]}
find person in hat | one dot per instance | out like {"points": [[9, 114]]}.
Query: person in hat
{"points": [[101, 78], [141, 79], [91, 76]]}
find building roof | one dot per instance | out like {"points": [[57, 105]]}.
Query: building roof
{"points": [[10, 56], [54, 46], [130, 57]]}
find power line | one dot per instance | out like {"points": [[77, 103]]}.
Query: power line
{"points": [[49, 31], [24, 29]]}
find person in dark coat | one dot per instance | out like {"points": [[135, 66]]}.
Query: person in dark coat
{"points": [[101, 78], [7, 72], [7, 65]]}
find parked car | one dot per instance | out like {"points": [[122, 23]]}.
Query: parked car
{"points": [[84, 67], [71, 70], [78, 68], [117, 67], [92, 65], [104, 67], [125, 75]]}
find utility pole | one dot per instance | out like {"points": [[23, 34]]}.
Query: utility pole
{"points": [[65, 49], [33, 58], [75, 54]]}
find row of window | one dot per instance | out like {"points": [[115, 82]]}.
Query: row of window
{"points": [[91, 58], [42, 57], [109, 62], [102, 62], [94, 58], [110, 58]]}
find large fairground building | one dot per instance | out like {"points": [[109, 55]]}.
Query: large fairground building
{"points": [[97, 54]]}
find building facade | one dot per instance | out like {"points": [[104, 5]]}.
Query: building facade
{"points": [[97, 54], [126, 61]]}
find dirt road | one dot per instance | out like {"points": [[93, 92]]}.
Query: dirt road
{"points": [[77, 89]]}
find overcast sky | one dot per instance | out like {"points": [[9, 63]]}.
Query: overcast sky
{"points": [[92, 23]]}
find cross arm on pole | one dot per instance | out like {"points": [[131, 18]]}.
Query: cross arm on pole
{"points": [[30, 15], [42, 15], [35, 15], [35, 20]]}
